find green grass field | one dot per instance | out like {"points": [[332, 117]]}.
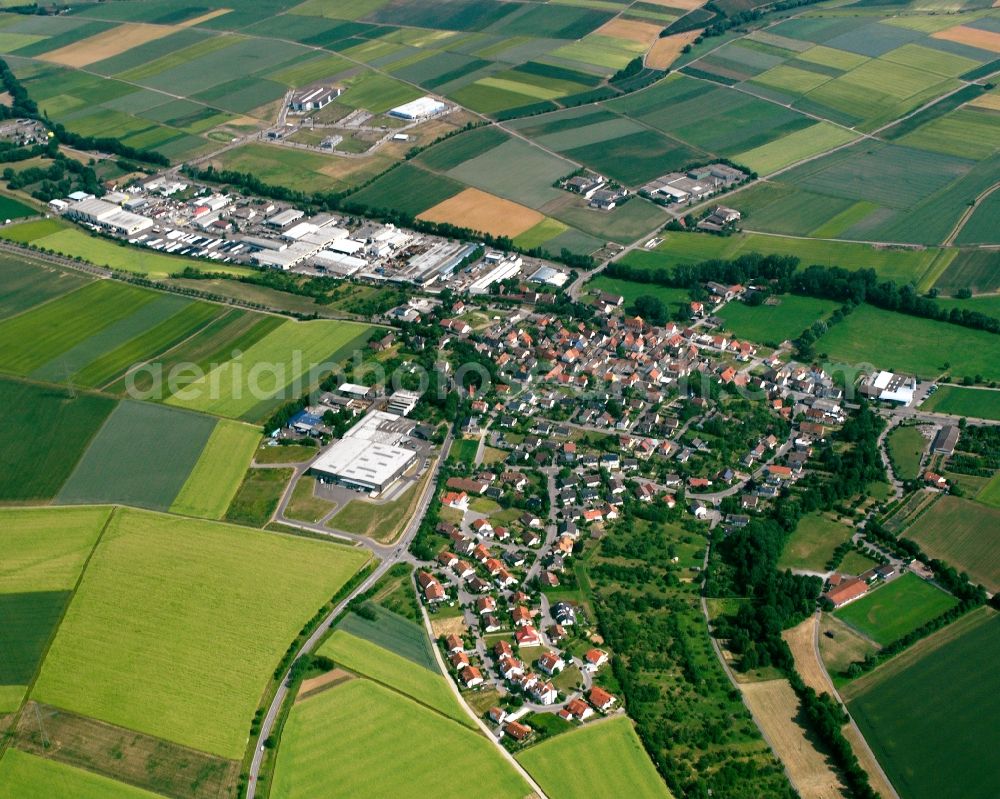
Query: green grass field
{"points": [[897, 608], [794, 147], [934, 753], [26, 776], [336, 742], [217, 475], [34, 339], [281, 366], [258, 496], [425, 685], [578, 763], [963, 534], [911, 344], [978, 403], [380, 522], [28, 283], [41, 564], [36, 465], [464, 450], [812, 543], [898, 264], [907, 446], [178, 624], [391, 631], [775, 323], [128, 463], [989, 494]]}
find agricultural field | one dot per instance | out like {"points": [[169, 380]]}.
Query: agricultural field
{"points": [[899, 342], [218, 472], [44, 552], [812, 543], [36, 466], [336, 741], [779, 322], [422, 683], [963, 534], [900, 606], [190, 663], [989, 494], [26, 776], [29, 283], [928, 754], [979, 403], [126, 463], [901, 265], [907, 446], [284, 364], [575, 763], [258, 496], [976, 270], [395, 633]]}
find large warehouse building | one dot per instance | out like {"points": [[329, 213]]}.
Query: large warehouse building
{"points": [[368, 456], [421, 108], [109, 216]]}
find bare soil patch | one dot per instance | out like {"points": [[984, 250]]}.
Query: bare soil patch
{"points": [[776, 709], [664, 51], [631, 30], [477, 210], [800, 640], [141, 760], [990, 101], [683, 5], [453, 626], [107, 44], [974, 37], [204, 18], [322, 682]]}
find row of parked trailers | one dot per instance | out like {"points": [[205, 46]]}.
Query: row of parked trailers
{"points": [[177, 242]]}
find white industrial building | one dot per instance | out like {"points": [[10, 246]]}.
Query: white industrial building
{"points": [[420, 108], [894, 388], [402, 402], [313, 99], [368, 457], [106, 215], [506, 269], [549, 276]]}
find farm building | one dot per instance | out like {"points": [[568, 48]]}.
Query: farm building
{"points": [[421, 108], [846, 592], [313, 99], [108, 216], [946, 439]]}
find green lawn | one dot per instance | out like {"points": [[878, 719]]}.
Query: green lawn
{"points": [[284, 364], [774, 323], [379, 521], [292, 453], [812, 543], [217, 475], [258, 496], [426, 685], [907, 446], [899, 342], [464, 450], [36, 465], [178, 624], [603, 759], [934, 753], [336, 744], [304, 504], [855, 563], [964, 534], [979, 403], [891, 611], [25, 776]]}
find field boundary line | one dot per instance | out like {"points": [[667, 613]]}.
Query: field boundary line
{"points": [[139, 364], [969, 211], [5, 741]]}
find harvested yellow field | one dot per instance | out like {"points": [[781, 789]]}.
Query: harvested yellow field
{"points": [[801, 639], [974, 37], [665, 51], [645, 33], [684, 5], [990, 101], [774, 706], [107, 44], [204, 18], [477, 210]]}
